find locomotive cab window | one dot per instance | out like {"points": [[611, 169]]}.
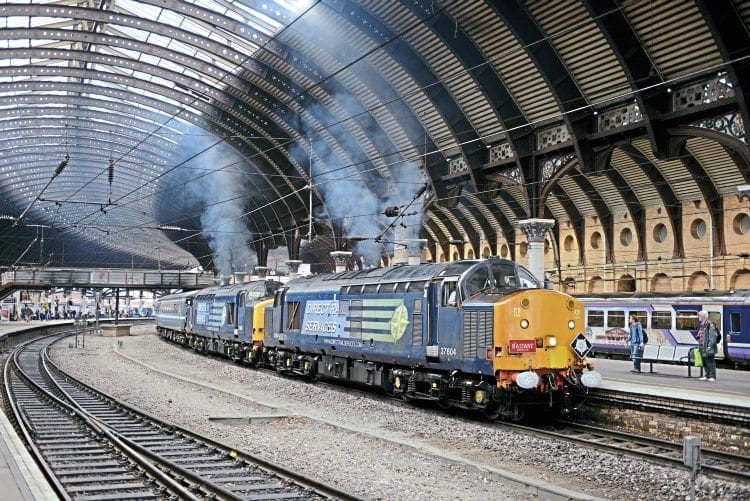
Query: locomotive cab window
{"points": [[526, 280], [293, 319], [504, 275], [228, 314], [595, 318], [449, 297], [476, 281]]}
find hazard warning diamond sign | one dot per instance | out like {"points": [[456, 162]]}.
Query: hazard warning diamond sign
{"points": [[581, 345]]}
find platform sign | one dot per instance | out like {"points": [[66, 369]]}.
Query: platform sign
{"points": [[581, 345], [521, 346]]}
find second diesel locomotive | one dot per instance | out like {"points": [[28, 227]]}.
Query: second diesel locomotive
{"points": [[480, 334]]}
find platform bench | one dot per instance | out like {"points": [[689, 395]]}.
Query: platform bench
{"points": [[676, 355]]}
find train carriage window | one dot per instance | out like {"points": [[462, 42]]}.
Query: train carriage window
{"points": [[370, 289], [616, 318], [686, 321], [661, 320], [293, 320], [715, 317], [734, 322], [595, 318], [642, 317]]}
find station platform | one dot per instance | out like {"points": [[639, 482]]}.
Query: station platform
{"points": [[732, 387]]}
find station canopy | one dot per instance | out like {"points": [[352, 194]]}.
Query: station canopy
{"points": [[186, 133]]}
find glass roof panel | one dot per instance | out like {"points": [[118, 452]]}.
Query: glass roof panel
{"points": [[105, 103]]}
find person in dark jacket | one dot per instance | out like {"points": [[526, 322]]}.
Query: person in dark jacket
{"points": [[635, 341], [708, 338]]}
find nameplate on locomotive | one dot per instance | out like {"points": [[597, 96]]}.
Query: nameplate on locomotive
{"points": [[521, 346]]}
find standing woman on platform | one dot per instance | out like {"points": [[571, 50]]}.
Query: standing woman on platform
{"points": [[635, 340], [708, 338]]}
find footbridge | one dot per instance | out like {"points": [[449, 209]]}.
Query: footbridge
{"points": [[102, 278]]}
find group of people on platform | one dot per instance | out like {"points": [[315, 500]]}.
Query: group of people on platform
{"points": [[708, 339]]}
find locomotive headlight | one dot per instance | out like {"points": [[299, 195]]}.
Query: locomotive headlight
{"points": [[397, 382], [524, 324], [288, 362], [551, 340], [480, 396], [571, 324]]}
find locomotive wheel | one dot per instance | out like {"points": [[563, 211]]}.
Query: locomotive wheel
{"points": [[491, 412], [517, 412]]}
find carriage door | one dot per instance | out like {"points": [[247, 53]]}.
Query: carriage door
{"points": [[445, 324], [242, 329], [736, 322], [189, 315]]}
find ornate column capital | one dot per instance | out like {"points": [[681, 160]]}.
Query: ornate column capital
{"points": [[293, 266], [341, 259], [261, 271], [535, 229]]}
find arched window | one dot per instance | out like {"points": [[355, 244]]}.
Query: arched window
{"points": [[596, 285], [626, 283], [698, 282], [661, 283]]}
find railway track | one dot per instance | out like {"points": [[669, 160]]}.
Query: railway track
{"points": [[731, 466], [92, 446]]}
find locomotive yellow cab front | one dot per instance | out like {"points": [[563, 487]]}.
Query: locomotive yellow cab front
{"points": [[537, 334]]}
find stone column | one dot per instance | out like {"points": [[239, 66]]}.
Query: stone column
{"points": [[341, 259], [535, 229], [293, 266], [261, 272], [400, 253], [414, 249]]}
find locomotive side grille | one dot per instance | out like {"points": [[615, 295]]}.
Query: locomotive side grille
{"points": [[416, 333], [477, 332], [268, 314]]}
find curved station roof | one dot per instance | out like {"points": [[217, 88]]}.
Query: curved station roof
{"points": [[178, 133]]}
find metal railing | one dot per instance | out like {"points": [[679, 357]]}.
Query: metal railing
{"points": [[110, 278]]}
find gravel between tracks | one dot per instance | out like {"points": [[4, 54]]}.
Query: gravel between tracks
{"points": [[373, 449]]}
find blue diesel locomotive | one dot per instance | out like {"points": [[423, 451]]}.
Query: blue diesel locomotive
{"points": [[480, 334]]}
